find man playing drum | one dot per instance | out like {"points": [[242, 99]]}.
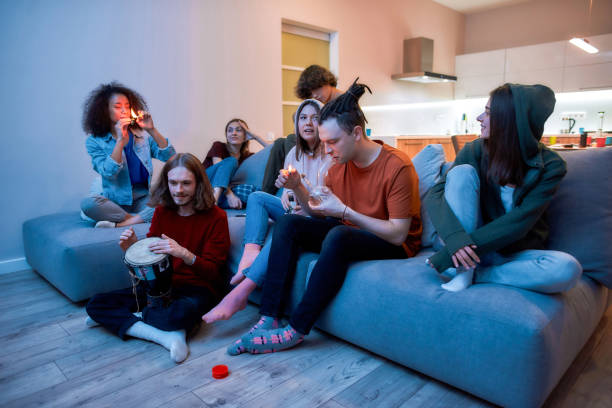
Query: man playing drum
{"points": [[194, 232]]}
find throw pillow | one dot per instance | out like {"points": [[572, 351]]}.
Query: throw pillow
{"points": [[428, 164], [251, 171]]}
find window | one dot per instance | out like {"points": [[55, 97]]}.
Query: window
{"points": [[301, 47]]}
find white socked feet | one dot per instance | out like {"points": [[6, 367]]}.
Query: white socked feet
{"points": [[105, 224], [89, 322], [174, 341], [462, 280]]}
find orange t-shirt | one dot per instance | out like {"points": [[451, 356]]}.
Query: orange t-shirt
{"points": [[387, 188]]}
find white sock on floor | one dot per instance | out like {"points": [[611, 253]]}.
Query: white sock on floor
{"points": [[89, 322], [462, 280], [105, 224], [171, 340]]}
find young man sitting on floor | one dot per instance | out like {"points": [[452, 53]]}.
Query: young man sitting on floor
{"points": [[195, 234]]}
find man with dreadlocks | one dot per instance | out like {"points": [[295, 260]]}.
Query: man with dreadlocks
{"points": [[369, 209]]}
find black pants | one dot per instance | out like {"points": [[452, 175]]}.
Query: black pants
{"points": [[338, 244], [113, 310]]}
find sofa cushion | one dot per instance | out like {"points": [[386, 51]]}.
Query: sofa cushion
{"points": [[503, 344], [252, 170], [428, 163], [580, 215], [77, 259]]}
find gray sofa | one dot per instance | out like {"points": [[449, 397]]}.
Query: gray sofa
{"points": [[506, 345]]}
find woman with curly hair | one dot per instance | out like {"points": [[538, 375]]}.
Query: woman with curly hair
{"points": [[121, 149]]}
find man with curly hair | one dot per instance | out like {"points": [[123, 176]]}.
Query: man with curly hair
{"points": [[317, 83]]}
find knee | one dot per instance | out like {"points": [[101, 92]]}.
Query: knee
{"points": [[568, 270], [287, 226], [94, 305], [256, 198], [230, 162], [462, 174], [338, 239], [89, 203]]}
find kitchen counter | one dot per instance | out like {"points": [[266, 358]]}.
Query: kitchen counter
{"points": [[412, 144]]}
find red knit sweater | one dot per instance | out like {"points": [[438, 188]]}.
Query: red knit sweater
{"points": [[206, 235]]}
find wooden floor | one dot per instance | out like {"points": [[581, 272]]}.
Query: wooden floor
{"points": [[48, 357]]}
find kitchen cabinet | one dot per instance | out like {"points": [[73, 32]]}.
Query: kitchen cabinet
{"points": [[479, 73], [480, 63], [574, 56], [559, 65], [535, 57], [477, 86], [536, 64], [411, 145], [587, 77]]}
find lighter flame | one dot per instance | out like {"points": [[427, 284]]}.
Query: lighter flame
{"points": [[134, 115], [290, 168]]}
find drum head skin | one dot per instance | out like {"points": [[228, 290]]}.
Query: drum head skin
{"points": [[140, 255]]}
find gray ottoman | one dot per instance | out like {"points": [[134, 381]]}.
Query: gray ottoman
{"points": [[76, 258]]}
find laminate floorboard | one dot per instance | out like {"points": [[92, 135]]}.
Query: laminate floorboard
{"points": [[49, 358]]}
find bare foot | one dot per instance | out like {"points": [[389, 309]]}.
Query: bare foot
{"points": [[237, 278], [248, 257], [233, 302]]}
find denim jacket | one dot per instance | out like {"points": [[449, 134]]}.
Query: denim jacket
{"points": [[116, 184]]}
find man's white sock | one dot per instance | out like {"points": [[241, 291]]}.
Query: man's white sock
{"points": [[171, 340]]}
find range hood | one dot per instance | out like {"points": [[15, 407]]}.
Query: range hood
{"points": [[418, 63]]}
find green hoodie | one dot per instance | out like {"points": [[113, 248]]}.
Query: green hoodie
{"points": [[524, 227]]}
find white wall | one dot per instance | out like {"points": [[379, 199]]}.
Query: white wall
{"points": [[536, 22], [197, 63]]}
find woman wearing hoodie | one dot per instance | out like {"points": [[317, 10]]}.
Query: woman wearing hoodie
{"points": [[488, 210], [309, 159]]}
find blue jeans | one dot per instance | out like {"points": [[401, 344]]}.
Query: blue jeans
{"points": [[543, 271], [261, 206], [220, 174]]}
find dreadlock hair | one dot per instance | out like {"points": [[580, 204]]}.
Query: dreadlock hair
{"points": [[346, 110]]}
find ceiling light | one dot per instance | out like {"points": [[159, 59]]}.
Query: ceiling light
{"points": [[584, 44]]}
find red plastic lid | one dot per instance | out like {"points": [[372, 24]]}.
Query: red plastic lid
{"points": [[220, 371]]}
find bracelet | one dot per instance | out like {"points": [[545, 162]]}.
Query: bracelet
{"points": [[344, 212]]}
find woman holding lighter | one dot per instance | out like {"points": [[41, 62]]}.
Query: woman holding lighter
{"points": [[122, 142], [309, 159]]}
